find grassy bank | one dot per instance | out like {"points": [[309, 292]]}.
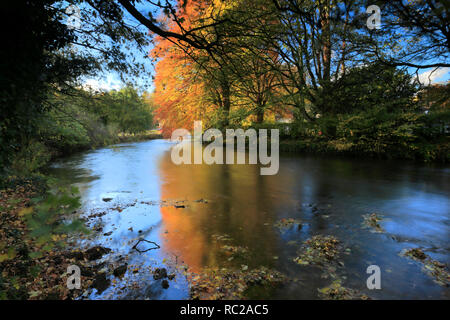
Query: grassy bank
{"points": [[380, 133], [37, 154], [115, 138], [425, 152], [149, 135]]}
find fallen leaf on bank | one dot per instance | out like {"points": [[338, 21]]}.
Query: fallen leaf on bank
{"points": [[25, 211]]}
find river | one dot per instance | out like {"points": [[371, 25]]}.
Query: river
{"points": [[329, 195]]}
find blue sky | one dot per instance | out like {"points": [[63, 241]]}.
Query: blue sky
{"points": [[111, 80]]}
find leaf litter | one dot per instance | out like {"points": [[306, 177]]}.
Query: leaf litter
{"points": [[336, 291], [371, 221], [288, 223], [322, 251], [435, 269]]}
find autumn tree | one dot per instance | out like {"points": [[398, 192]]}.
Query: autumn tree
{"points": [[179, 91]]}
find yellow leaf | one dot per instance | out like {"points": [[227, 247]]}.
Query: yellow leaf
{"points": [[8, 256], [25, 211]]}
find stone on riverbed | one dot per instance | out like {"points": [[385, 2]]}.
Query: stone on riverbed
{"points": [[120, 271], [171, 276], [95, 253], [160, 273], [77, 255], [165, 284], [101, 283]]}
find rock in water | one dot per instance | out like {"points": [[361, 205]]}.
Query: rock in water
{"points": [[78, 255], [101, 283], [120, 271], [95, 253], [160, 273], [86, 271]]}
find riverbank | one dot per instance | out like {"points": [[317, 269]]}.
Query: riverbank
{"points": [[37, 154], [26, 273], [110, 140], [37, 244], [379, 133], [439, 152], [426, 152]]}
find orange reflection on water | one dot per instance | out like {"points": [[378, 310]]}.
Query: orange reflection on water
{"points": [[184, 239], [240, 205]]}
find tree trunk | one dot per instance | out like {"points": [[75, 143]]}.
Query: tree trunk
{"points": [[226, 102], [326, 36], [260, 115]]}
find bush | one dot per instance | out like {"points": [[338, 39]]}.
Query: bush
{"points": [[30, 157], [377, 133]]}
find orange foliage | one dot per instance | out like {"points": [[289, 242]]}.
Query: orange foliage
{"points": [[182, 94], [178, 96]]}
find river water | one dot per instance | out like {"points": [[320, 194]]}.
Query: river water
{"points": [[329, 195]]}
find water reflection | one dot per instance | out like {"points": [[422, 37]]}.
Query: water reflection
{"points": [[329, 195], [239, 204]]}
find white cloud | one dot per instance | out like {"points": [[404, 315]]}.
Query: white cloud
{"points": [[432, 76], [104, 84]]}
